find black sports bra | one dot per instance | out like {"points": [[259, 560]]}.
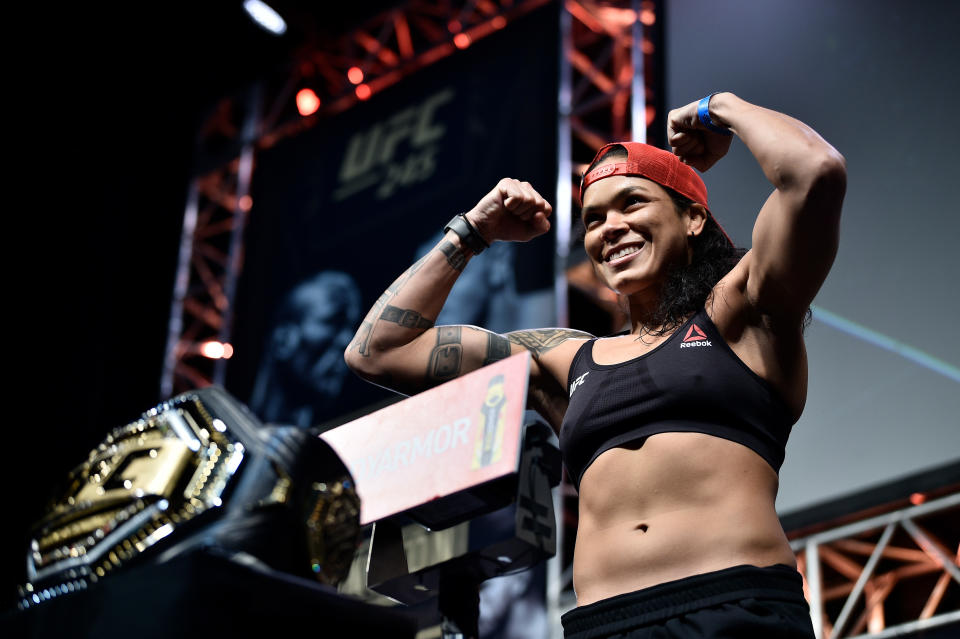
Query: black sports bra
{"points": [[691, 382]]}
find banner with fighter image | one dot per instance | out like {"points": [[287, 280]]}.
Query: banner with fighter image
{"points": [[343, 208]]}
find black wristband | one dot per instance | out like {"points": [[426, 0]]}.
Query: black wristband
{"points": [[467, 234]]}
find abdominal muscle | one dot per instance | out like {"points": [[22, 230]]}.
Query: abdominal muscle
{"points": [[679, 505]]}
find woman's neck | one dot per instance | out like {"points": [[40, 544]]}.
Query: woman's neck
{"points": [[642, 309]]}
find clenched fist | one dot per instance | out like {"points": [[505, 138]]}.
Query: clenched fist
{"points": [[512, 211], [692, 142]]}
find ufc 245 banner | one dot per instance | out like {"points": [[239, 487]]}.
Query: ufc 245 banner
{"points": [[343, 208]]}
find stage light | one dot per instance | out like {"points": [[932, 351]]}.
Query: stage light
{"points": [[265, 16], [355, 75], [363, 91], [307, 102], [454, 26], [648, 17], [499, 22], [616, 16], [917, 498], [461, 40], [245, 203], [216, 350]]}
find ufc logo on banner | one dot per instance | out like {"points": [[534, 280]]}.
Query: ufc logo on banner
{"points": [[372, 158]]}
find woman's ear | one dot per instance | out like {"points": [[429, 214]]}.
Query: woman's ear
{"points": [[696, 219]]}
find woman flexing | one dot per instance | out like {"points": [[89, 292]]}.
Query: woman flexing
{"points": [[674, 431]]}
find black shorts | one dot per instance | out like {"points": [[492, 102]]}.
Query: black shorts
{"points": [[736, 603]]}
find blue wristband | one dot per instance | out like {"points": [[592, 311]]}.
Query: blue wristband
{"points": [[703, 112]]}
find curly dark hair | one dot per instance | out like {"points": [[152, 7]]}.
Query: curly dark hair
{"points": [[687, 286]]}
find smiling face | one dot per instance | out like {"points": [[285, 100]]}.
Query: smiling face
{"points": [[634, 233]]}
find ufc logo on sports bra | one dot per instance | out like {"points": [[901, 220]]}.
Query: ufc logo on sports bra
{"points": [[577, 382]]}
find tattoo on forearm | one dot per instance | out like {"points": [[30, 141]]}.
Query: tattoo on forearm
{"points": [[446, 355], [362, 338], [498, 347], [406, 317], [399, 283], [542, 340], [455, 256], [362, 341]]}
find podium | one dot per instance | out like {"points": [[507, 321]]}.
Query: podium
{"points": [[442, 464], [199, 519], [205, 593]]}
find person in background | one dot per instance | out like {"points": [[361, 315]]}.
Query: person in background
{"points": [[302, 371]]}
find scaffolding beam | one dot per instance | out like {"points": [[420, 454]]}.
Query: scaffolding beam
{"points": [[386, 49], [889, 594]]}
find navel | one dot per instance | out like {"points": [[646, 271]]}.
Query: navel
{"points": [[642, 528]]}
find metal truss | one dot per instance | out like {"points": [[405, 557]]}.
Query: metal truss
{"points": [[386, 49], [602, 100], [884, 576], [383, 51], [610, 89], [211, 250]]}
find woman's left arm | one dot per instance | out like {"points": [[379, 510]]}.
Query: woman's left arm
{"points": [[796, 233]]}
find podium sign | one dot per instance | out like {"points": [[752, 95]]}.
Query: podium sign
{"points": [[446, 440]]}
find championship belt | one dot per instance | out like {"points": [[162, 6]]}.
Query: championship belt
{"points": [[199, 471]]}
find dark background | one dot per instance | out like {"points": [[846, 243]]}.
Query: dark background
{"points": [[105, 101]]}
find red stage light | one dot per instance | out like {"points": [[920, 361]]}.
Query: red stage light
{"points": [[245, 203], [499, 22], [363, 91], [461, 40], [648, 17], [917, 498], [307, 102], [355, 75], [216, 350], [454, 26]]}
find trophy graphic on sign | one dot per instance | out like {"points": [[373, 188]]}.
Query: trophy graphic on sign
{"points": [[488, 447]]}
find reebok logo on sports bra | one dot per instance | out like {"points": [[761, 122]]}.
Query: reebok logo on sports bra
{"points": [[695, 337]]}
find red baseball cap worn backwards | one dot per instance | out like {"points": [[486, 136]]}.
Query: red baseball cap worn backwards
{"points": [[655, 164]]}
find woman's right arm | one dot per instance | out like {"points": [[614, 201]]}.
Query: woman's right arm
{"points": [[397, 345]]}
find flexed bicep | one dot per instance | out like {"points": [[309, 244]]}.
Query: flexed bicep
{"points": [[795, 240], [436, 356], [446, 358], [397, 345], [796, 233]]}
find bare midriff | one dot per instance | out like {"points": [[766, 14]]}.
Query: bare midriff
{"points": [[679, 505]]}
